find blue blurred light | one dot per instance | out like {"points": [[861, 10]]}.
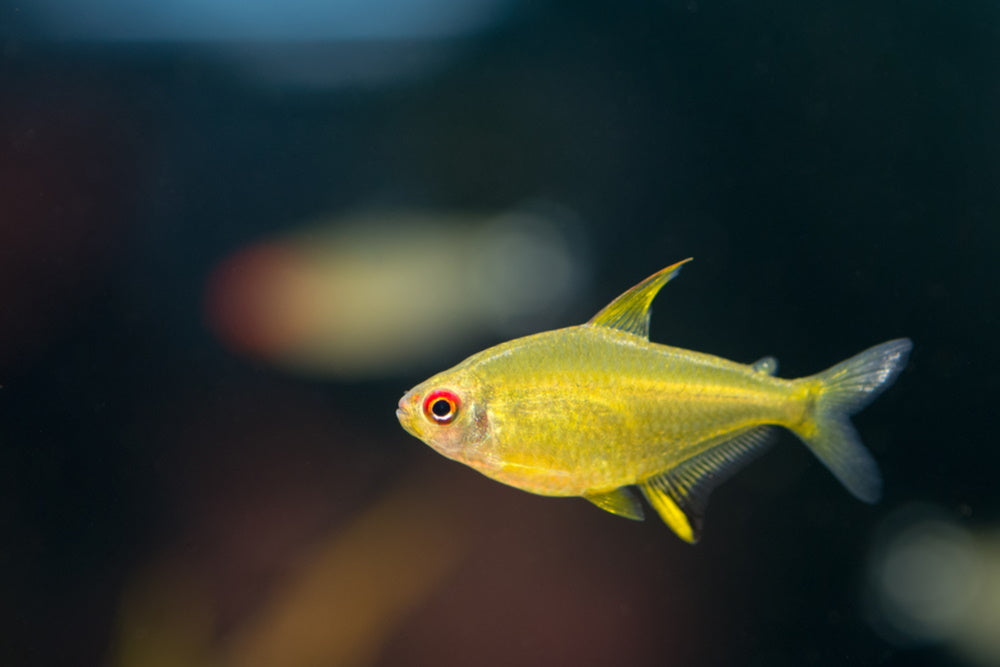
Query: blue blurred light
{"points": [[264, 20]]}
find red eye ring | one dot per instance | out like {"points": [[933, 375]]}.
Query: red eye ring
{"points": [[441, 406]]}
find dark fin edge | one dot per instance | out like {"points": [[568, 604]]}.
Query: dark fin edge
{"points": [[680, 495]]}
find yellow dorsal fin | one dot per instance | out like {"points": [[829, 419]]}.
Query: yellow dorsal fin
{"points": [[630, 311], [620, 501]]}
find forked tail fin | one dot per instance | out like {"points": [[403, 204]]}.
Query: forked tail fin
{"points": [[840, 392]]}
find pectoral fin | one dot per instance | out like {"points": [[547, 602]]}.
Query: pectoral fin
{"points": [[620, 501], [630, 311], [680, 494]]}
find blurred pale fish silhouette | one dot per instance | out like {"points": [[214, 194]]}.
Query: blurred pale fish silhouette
{"points": [[594, 409], [932, 581], [375, 294]]}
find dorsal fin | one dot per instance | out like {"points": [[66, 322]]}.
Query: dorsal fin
{"points": [[630, 311], [681, 494]]}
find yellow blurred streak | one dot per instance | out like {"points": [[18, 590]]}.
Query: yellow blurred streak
{"points": [[346, 601], [338, 607], [978, 636], [164, 620]]}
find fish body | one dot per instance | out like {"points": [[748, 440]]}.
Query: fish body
{"points": [[594, 409]]}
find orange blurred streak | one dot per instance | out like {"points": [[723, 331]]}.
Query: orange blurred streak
{"points": [[339, 607], [481, 563], [350, 597]]}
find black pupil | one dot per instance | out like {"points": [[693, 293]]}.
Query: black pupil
{"points": [[441, 408]]}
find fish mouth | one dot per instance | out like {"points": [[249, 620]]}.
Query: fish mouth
{"points": [[403, 414]]}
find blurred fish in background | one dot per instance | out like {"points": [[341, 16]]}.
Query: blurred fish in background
{"points": [[378, 295], [932, 581]]}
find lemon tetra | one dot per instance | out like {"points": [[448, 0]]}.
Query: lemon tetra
{"points": [[596, 409]]}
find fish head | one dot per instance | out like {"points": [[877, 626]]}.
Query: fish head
{"points": [[449, 413]]}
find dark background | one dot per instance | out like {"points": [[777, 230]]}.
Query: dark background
{"points": [[834, 168]]}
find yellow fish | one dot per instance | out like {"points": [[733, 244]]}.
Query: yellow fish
{"points": [[594, 409]]}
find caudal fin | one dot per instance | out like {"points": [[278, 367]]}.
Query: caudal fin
{"points": [[839, 393]]}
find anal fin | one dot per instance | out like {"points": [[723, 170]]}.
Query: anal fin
{"points": [[620, 501], [669, 503], [680, 494]]}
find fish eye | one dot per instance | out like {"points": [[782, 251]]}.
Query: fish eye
{"points": [[441, 406]]}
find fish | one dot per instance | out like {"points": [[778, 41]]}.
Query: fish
{"points": [[597, 410], [320, 300]]}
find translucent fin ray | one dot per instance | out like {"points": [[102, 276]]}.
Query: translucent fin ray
{"points": [[680, 495], [841, 391], [851, 385]]}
